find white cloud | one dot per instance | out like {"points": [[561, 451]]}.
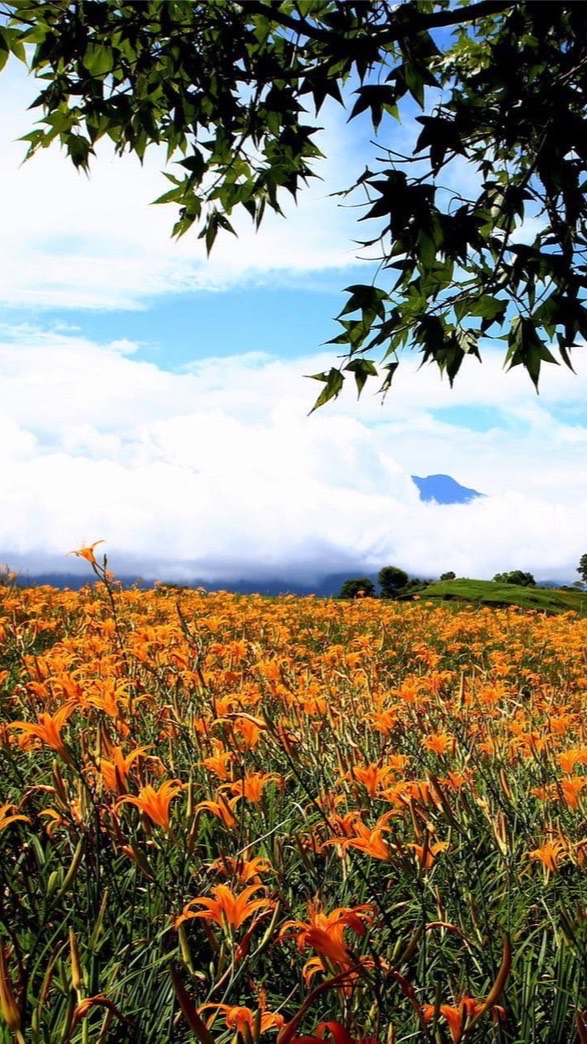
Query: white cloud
{"points": [[68, 241], [218, 470]]}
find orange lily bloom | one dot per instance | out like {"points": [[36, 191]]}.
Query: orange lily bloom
{"points": [[247, 729], [339, 1034], [87, 552], [223, 809], [252, 785], [5, 819], [243, 869], [426, 853], [550, 854], [325, 933], [219, 763], [48, 728], [110, 695], [115, 770], [244, 1020], [226, 909], [438, 742], [373, 777], [369, 840], [568, 759], [571, 787], [155, 803], [457, 1018]]}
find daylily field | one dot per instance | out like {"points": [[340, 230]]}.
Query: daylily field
{"points": [[225, 818]]}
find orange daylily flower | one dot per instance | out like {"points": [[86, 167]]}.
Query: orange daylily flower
{"points": [[243, 869], [550, 854], [6, 819], [337, 1031], [223, 809], [369, 840], [115, 769], [48, 728], [571, 788], [426, 853], [155, 803], [457, 1018], [111, 693], [373, 777], [248, 730], [87, 552], [227, 909], [219, 763], [252, 785], [244, 1020], [8, 1005], [325, 933], [438, 742], [568, 759]]}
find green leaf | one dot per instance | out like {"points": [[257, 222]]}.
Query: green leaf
{"points": [[333, 380], [362, 369], [79, 149], [98, 59], [487, 307], [391, 370], [379, 98], [4, 49], [525, 348], [365, 298]]}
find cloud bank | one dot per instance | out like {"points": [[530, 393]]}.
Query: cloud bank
{"points": [[218, 472], [72, 242]]}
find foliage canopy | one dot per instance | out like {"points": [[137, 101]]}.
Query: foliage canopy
{"points": [[391, 581], [479, 229], [515, 576], [358, 587]]}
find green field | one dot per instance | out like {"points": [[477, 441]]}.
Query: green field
{"points": [[487, 592]]}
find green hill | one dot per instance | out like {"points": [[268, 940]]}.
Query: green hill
{"points": [[488, 592]]}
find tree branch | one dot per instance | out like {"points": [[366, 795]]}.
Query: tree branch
{"points": [[417, 24]]}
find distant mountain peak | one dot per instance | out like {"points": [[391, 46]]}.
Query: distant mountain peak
{"points": [[442, 489]]}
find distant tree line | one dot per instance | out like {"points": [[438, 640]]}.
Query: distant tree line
{"points": [[395, 582], [515, 576]]}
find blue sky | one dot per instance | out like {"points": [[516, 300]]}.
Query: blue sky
{"points": [[156, 399]]}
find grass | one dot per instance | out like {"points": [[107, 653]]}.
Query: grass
{"points": [[490, 593], [226, 817]]}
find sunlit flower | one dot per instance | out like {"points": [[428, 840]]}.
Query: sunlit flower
{"points": [[6, 819], [115, 769], [223, 809], [244, 1020], [87, 552], [457, 1018], [155, 803], [550, 854], [48, 728], [373, 777], [326, 935], [243, 869], [438, 742], [226, 908], [252, 785], [369, 840], [426, 853]]}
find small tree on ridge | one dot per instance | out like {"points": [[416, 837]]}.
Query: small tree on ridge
{"points": [[391, 581]]}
